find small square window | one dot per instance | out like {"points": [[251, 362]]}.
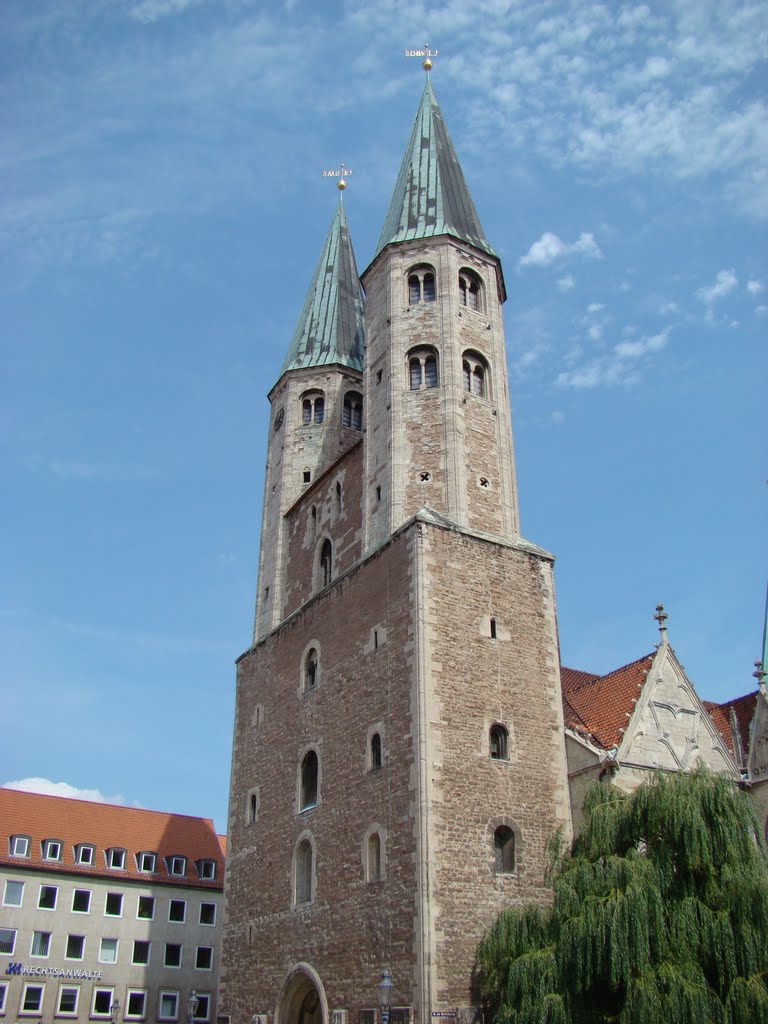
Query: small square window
{"points": [[113, 906], [203, 1010], [115, 858], [75, 947], [14, 894], [140, 952], [67, 1005], [81, 901], [41, 944], [136, 1005], [173, 954], [177, 866], [7, 941], [204, 958], [168, 1006], [46, 900], [19, 846], [177, 911], [146, 908], [32, 999], [51, 849], [108, 951], [207, 913], [146, 862], [102, 1002]]}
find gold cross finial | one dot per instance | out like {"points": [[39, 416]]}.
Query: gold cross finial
{"points": [[341, 174], [426, 53], [661, 617]]}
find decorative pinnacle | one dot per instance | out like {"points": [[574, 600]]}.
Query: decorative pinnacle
{"points": [[426, 53], [759, 672], [661, 617], [341, 174]]}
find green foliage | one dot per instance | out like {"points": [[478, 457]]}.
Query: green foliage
{"points": [[659, 914]]}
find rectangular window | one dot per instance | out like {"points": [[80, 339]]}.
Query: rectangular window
{"points": [[7, 941], [19, 846], [204, 958], [168, 1006], [67, 1004], [102, 1002], [136, 1003], [177, 866], [113, 906], [32, 999], [203, 1011], [84, 854], [206, 869], [14, 893], [177, 911], [51, 849], [140, 952], [3, 994], [41, 944], [173, 954], [146, 908], [75, 947], [146, 862], [207, 913], [116, 858], [81, 901], [108, 951], [47, 898]]}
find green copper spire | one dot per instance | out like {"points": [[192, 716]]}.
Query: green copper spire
{"points": [[330, 328], [431, 196]]}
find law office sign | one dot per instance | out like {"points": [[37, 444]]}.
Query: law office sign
{"points": [[33, 970]]}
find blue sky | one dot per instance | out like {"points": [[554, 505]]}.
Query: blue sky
{"points": [[161, 212]]}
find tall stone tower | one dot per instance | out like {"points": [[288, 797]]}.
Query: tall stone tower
{"points": [[398, 761]]}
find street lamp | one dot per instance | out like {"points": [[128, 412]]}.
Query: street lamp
{"points": [[192, 1004], [385, 992], [114, 1011]]}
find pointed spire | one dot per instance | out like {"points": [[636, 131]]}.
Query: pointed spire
{"points": [[431, 196], [330, 328]]}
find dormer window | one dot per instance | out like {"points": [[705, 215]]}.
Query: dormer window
{"points": [[206, 869], [421, 284], [84, 854], [51, 849], [176, 866], [146, 862], [470, 290], [19, 846], [115, 858], [312, 407], [352, 411], [422, 369]]}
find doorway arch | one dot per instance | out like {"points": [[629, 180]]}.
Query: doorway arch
{"points": [[302, 998]]}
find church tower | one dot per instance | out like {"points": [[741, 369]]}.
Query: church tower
{"points": [[398, 761]]}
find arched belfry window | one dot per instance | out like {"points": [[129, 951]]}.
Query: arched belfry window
{"points": [[325, 569], [475, 374], [421, 284], [309, 775], [499, 742], [312, 407], [504, 850], [423, 371], [470, 290], [352, 410], [303, 871]]}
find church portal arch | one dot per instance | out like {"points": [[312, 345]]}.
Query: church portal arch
{"points": [[302, 998]]}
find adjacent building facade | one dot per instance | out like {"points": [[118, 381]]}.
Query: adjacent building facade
{"points": [[108, 913]]}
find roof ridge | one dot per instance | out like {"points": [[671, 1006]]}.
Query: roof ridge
{"points": [[104, 803]]}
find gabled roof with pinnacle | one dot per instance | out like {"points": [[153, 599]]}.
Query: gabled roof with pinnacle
{"points": [[431, 196], [330, 328]]}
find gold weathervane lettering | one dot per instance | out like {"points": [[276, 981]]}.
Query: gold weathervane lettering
{"points": [[426, 53], [342, 173]]}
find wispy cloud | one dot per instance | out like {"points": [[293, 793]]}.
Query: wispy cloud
{"points": [[754, 287], [565, 284], [550, 247], [617, 368], [152, 10], [725, 282], [49, 788]]}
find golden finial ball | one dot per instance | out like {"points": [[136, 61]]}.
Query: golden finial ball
{"points": [[427, 64], [341, 184]]}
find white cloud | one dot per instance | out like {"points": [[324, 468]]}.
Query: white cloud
{"points": [[550, 247], [595, 307], [48, 788], [754, 287], [565, 284], [668, 309], [152, 10], [618, 368], [725, 282], [634, 349]]}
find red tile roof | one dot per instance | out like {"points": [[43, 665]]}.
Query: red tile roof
{"points": [[599, 706], [743, 710], [107, 826]]}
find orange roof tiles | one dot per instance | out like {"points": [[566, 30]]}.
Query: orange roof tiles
{"points": [[600, 705], [744, 711], [107, 826]]}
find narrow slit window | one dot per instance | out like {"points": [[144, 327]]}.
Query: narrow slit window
{"points": [[504, 850], [375, 752], [498, 739], [309, 773]]}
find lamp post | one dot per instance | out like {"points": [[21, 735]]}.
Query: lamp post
{"points": [[114, 1011], [192, 1004], [385, 992]]}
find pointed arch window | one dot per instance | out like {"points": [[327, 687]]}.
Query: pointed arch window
{"points": [[373, 857], [375, 752], [352, 410], [309, 776], [423, 370], [326, 563], [310, 670], [475, 374], [504, 850], [470, 290], [303, 888], [421, 284], [312, 407]]}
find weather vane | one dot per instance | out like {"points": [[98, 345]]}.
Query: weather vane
{"points": [[426, 53], [341, 174]]}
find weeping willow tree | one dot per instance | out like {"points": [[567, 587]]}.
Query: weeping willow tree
{"points": [[659, 916]]}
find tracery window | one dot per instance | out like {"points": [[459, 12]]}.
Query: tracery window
{"points": [[352, 410], [470, 290], [421, 284], [475, 374], [422, 368]]}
